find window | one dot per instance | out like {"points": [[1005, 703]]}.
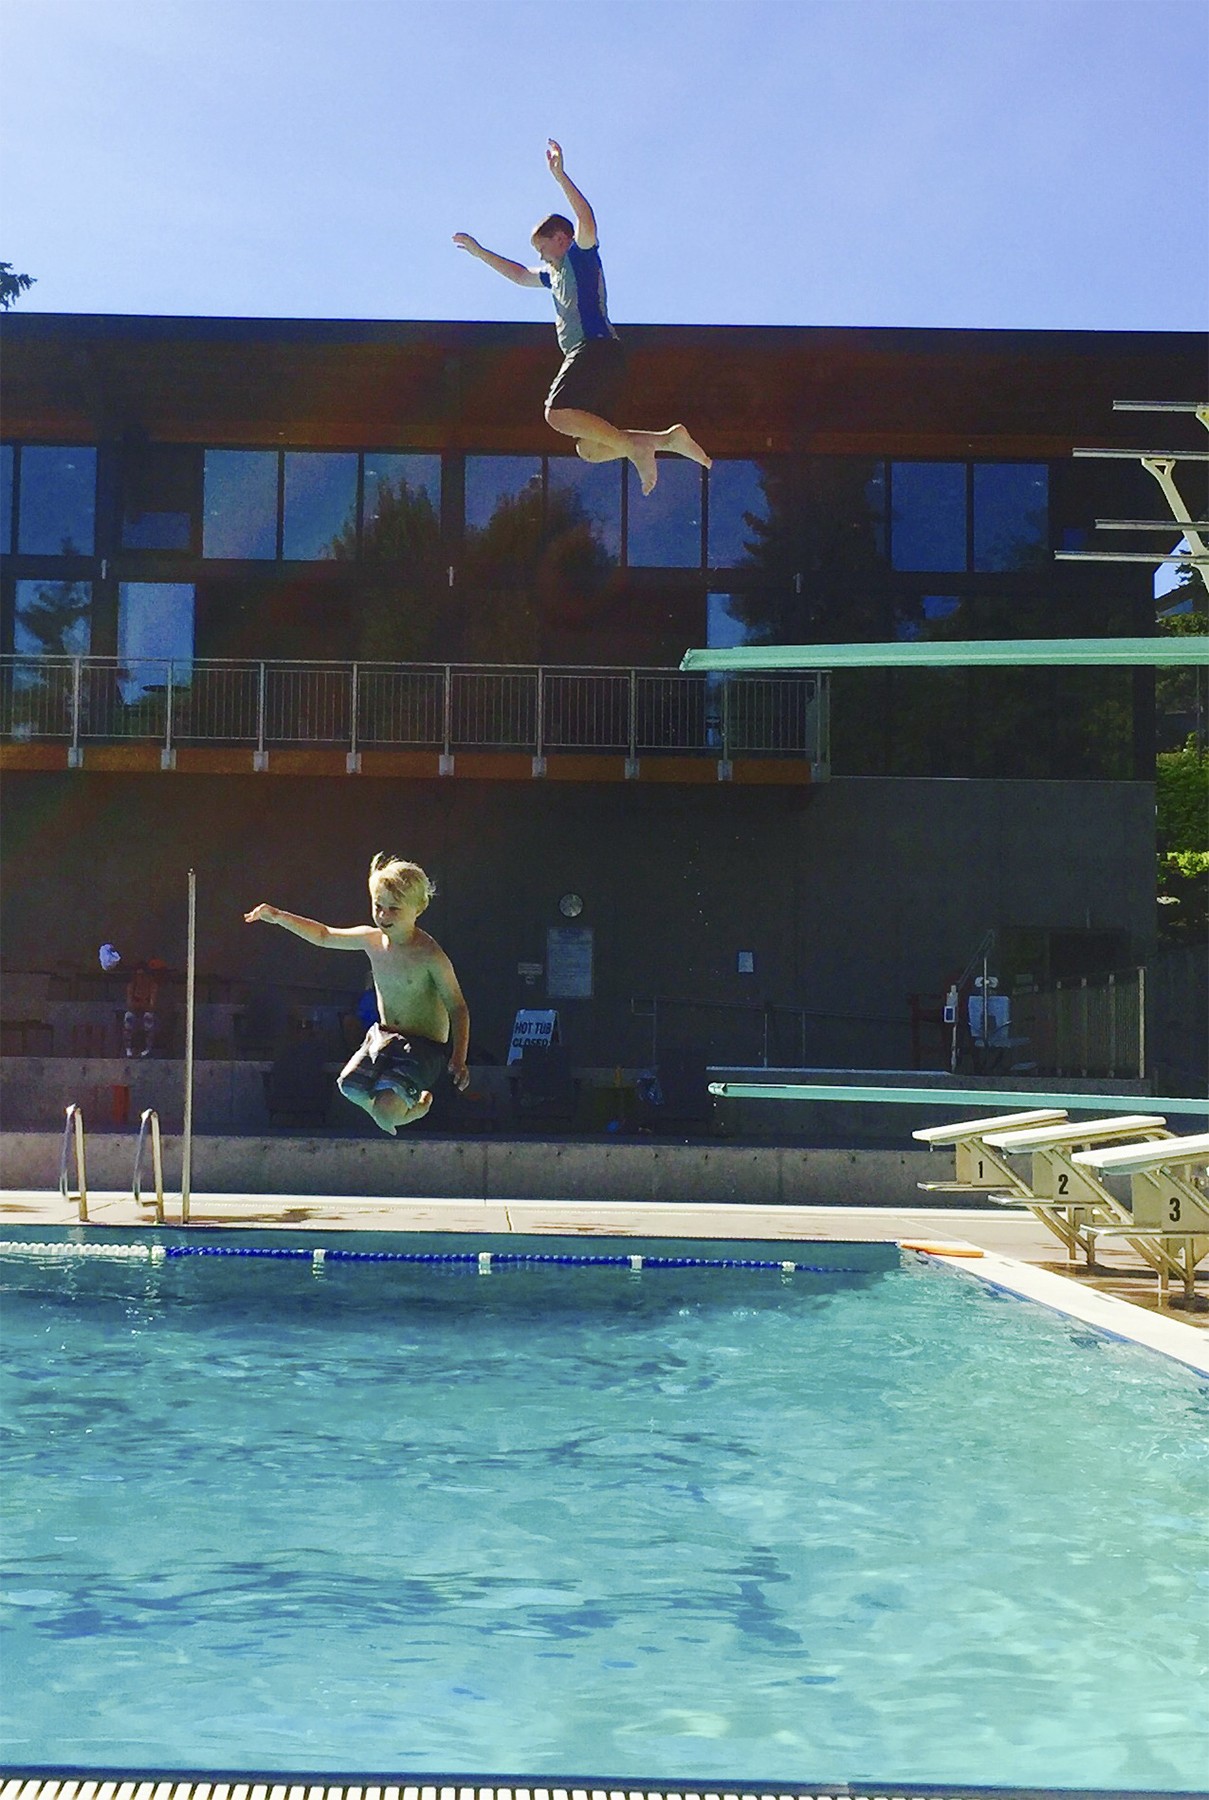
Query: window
{"points": [[155, 628], [931, 616], [52, 618], [161, 486], [1011, 516], [8, 461], [664, 527], [504, 536], [500, 485], [928, 515], [320, 504], [240, 518], [401, 507], [736, 497], [587, 494], [58, 500]]}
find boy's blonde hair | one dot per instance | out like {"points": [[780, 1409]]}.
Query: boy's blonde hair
{"points": [[406, 881]]}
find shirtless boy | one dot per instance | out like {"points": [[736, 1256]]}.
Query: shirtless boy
{"points": [[586, 390], [425, 1024]]}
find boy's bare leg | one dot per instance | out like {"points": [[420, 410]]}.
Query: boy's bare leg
{"points": [[390, 1110], [605, 442]]}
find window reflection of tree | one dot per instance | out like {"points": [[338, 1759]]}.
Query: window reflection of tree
{"points": [[1019, 723], [534, 560], [402, 591], [52, 619], [815, 571]]}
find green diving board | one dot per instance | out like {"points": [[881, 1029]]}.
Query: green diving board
{"points": [[952, 1096], [992, 653]]}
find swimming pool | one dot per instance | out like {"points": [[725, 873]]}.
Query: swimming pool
{"points": [[733, 1524]]}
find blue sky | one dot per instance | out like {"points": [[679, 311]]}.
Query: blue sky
{"points": [[1035, 163]]}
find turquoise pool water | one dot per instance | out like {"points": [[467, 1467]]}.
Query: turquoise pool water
{"points": [[671, 1524]]}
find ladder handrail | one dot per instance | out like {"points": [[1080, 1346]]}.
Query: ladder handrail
{"points": [[150, 1118], [73, 1131]]}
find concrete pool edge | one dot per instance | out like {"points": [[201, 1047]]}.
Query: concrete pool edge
{"points": [[1117, 1318]]}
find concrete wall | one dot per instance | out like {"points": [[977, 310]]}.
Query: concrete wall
{"points": [[850, 898], [491, 1169]]}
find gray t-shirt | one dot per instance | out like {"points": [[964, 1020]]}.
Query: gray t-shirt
{"points": [[577, 286]]}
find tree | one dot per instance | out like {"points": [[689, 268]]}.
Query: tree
{"points": [[12, 285], [1182, 803]]}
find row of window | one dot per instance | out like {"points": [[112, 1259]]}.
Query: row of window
{"points": [[336, 505], [158, 620]]}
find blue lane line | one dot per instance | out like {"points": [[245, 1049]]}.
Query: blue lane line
{"points": [[503, 1258]]}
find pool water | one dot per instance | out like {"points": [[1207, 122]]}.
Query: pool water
{"points": [[584, 1521]]}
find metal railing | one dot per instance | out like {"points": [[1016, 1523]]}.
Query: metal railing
{"points": [[73, 1149], [149, 1126], [445, 707], [760, 1034]]}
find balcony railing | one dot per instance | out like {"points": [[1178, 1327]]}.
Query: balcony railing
{"points": [[443, 707]]}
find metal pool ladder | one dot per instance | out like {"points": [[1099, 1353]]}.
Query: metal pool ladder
{"points": [[73, 1135], [149, 1126]]}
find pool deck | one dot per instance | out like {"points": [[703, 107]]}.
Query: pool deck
{"points": [[1010, 1249]]}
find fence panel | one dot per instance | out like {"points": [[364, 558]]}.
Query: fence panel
{"points": [[399, 706], [586, 709], [37, 697], [1091, 1027], [672, 711], [308, 703], [493, 709], [219, 704]]}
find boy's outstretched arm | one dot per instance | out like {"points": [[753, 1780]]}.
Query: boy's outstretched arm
{"points": [[585, 218], [450, 989], [327, 937], [503, 265]]}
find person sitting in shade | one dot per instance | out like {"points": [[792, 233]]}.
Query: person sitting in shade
{"points": [[587, 389], [142, 996]]}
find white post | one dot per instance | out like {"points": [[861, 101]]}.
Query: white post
{"points": [[190, 1008]]}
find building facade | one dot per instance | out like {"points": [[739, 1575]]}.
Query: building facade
{"points": [[281, 594]]}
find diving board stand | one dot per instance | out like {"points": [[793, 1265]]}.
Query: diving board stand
{"points": [[1069, 1200], [1168, 1207], [1161, 464]]}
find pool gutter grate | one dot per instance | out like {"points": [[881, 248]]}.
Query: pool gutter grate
{"points": [[115, 1786]]}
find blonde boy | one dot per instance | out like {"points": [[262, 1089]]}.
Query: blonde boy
{"points": [[425, 1024]]}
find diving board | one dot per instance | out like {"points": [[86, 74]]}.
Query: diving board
{"points": [[949, 1096], [991, 653]]}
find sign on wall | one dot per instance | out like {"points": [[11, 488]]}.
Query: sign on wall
{"points": [[569, 962]]}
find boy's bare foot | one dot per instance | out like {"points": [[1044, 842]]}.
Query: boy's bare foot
{"points": [[418, 1110], [643, 459], [681, 444], [392, 1110]]}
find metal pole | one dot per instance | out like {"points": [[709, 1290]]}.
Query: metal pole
{"points": [[77, 675], [1142, 1022], [190, 1009]]}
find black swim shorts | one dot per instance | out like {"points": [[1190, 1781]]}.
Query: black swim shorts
{"points": [[400, 1060], [591, 379]]}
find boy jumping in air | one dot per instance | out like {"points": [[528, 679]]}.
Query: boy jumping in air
{"points": [[586, 390], [425, 1024]]}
